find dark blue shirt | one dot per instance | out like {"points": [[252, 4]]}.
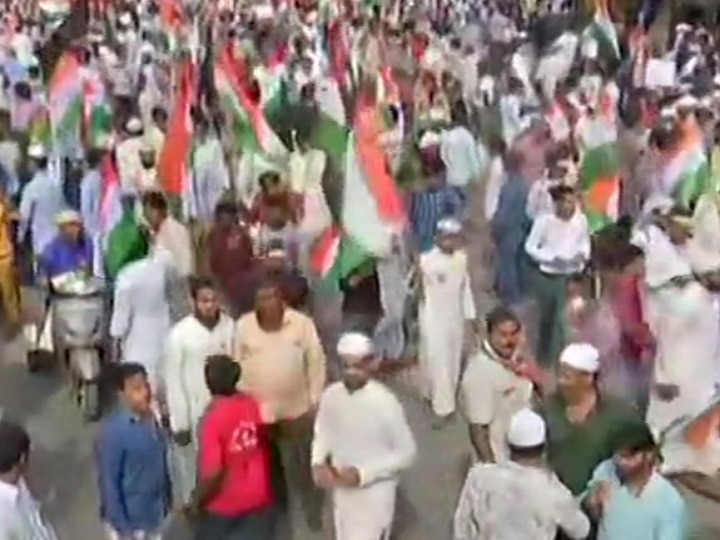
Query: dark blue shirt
{"points": [[133, 474], [427, 208]]}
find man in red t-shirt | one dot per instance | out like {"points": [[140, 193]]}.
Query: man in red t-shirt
{"points": [[233, 498]]}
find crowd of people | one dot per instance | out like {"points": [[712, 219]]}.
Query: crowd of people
{"points": [[291, 203]]}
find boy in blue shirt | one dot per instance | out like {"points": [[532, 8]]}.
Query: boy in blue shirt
{"points": [[131, 460]]}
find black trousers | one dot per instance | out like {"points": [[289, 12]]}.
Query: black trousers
{"points": [[257, 525]]}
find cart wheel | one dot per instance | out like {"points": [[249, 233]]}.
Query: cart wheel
{"points": [[89, 400]]}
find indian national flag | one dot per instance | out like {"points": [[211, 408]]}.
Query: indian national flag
{"points": [[97, 112], [65, 97], [171, 15], [110, 205], [603, 30], [686, 173], [331, 133], [371, 212], [251, 125], [600, 170], [173, 167]]}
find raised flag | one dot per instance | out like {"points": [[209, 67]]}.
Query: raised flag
{"points": [[600, 165], [173, 168], [685, 173], [65, 97]]}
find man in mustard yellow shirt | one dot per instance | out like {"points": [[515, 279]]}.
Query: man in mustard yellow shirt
{"points": [[9, 277]]}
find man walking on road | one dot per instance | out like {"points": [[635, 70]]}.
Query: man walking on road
{"points": [[206, 332], [362, 442], [520, 498]]}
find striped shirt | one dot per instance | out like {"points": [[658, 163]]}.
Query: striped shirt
{"points": [[20, 515], [427, 208]]}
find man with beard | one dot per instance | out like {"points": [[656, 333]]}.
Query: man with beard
{"points": [[362, 442], [629, 497], [284, 368], [581, 423], [519, 498], [207, 331]]}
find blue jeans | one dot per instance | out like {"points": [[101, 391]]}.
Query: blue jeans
{"points": [[256, 525]]}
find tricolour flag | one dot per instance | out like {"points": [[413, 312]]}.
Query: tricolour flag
{"points": [[255, 133], [600, 165], [97, 112], [371, 211], [110, 204], [65, 97], [603, 31], [173, 168], [686, 171]]}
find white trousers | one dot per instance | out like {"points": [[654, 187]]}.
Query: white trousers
{"points": [[364, 513], [112, 534], [183, 463]]}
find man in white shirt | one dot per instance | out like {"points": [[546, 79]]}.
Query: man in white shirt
{"points": [[447, 308], [459, 151], [496, 384], [520, 498], [362, 442], [559, 246], [172, 237], [207, 331], [20, 517]]}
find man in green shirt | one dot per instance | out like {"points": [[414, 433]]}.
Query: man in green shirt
{"points": [[581, 424]]}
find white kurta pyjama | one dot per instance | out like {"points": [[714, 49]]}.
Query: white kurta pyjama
{"points": [[188, 346], [366, 429], [446, 305]]}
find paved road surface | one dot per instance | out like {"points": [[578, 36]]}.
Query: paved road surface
{"points": [[63, 475]]}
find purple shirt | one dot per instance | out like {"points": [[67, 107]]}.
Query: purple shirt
{"points": [[62, 256]]}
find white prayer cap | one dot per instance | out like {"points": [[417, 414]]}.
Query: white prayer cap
{"points": [[681, 28], [66, 217], [125, 18], [134, 125], [429, 138], [36, 151], [264, 11], [354, 344], [527, 429], [581, 356], [687, 102], [716, 80], [449, 226]]}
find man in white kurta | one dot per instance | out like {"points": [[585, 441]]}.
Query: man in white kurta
{"points": [[140, 320], [447, 304], [207, 331], [128, 156], [682, 316], [362, 442]]}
